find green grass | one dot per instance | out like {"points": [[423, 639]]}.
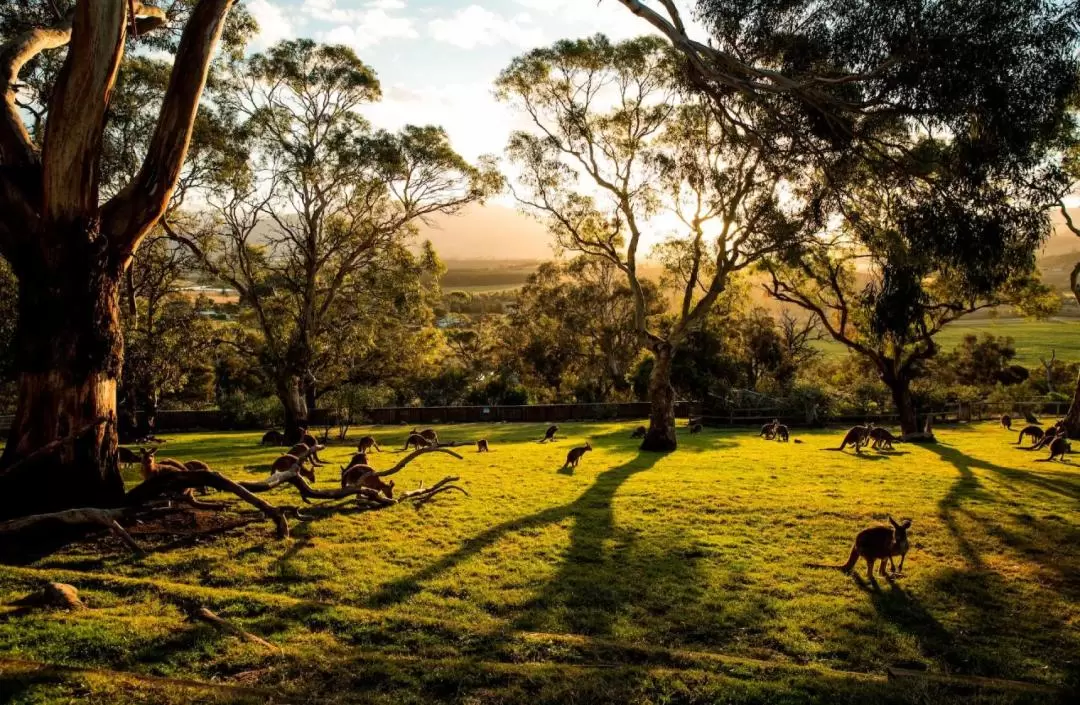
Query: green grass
{"points": [[1033, 339], [636, 578]]}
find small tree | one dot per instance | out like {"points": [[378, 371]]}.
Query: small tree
{"points": [[612, 145], [315, 238]]}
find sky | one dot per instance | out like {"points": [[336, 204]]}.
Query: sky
{"points": [[437, 59]]}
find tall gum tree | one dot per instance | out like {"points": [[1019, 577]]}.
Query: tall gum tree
{"points": [[613, 145], [68, 246], [324, 204]]}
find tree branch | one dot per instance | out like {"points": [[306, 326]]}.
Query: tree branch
{"points": [[133, 211]]}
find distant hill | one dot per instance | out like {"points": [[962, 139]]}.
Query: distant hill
{"points": [[488, 232]]}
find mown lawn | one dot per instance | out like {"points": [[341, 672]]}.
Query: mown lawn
{"points": [[636, 578]]}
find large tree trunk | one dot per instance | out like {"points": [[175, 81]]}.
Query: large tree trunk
{"points": [[905, 406], [296, 410], [69, 353], [661, 434]]}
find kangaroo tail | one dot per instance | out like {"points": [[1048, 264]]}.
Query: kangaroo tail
{"points": [[852, 559]]}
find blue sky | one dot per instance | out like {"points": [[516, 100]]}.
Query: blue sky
{"points": [[437, 59]]}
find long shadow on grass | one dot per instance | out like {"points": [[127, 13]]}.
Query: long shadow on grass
{"points": [[597, 498]]}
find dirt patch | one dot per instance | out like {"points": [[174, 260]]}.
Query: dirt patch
{"points": [[188, 522]]}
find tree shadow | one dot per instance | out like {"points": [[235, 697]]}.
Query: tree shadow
{"points": [[599, 495], [1057, 485]]}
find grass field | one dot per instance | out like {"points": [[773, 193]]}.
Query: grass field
{"points": [[634, 579], [1033, 339]]}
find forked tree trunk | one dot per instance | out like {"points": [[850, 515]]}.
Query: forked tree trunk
{"points": [[905, 405], [661, 434], [295, 406], [69, 353]]}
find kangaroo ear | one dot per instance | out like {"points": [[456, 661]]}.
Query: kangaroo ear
{"points": [[893, 521]]}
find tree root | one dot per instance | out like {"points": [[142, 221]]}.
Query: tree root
{"points": [[87, 515]]}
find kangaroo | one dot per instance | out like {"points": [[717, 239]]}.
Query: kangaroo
{"points": [[429, 434], [364, 476], [574, 456], [1006, 422], [309, 440], [288, 462], [367, 443], [273, 438], [857, 436], [883, 440], [696, 428], [358, 459], [1048, 437], [877, 543], [549, 434], [1035, 432], [149, 467], [1030, 418], [126, 456], [417, 441], [639, 432], [482, 446], [780, 431], [1059, 447], [768, 431]]}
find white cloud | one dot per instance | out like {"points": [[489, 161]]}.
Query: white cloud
{"points": [[273, 24], [475, 26], [361, 27]]}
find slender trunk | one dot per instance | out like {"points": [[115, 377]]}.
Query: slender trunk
{"points": [[1072, 418], [661, 434], [69, 352], [905, 406], [296, 410]]}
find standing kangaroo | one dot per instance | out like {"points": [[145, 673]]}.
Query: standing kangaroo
{"points": [[878, 543], [429, 434], [364, 476], [574, 456], [1059, 447], [367, 443], [417, 441], [780, 431], [1006, 422], [857, 436], [768, 431], [1035, 432], [482, 446], [549, 434], [149, 467]]}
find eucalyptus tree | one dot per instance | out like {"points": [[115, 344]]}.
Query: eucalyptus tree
{"points": [[612, 145], [322, 213], [69, 242]]}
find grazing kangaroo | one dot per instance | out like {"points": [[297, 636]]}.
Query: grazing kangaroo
{"points": [[857, 436], [429, 434], [1035, 432], [780, 431], [290, 462], [1030, 417], [273, 438], [639, 432], [309, 440], [1049, 437], [882, 438], [696, 428], [1059, 447], [364, 476], [878, 543], [549, 434], [482, 446], [417, 441], [768, 431], [574, 456], [126, 456], [367, 443], [358, 459], [1006, 422]]}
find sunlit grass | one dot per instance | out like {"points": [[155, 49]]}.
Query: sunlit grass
{"points": [[701, 551]]}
